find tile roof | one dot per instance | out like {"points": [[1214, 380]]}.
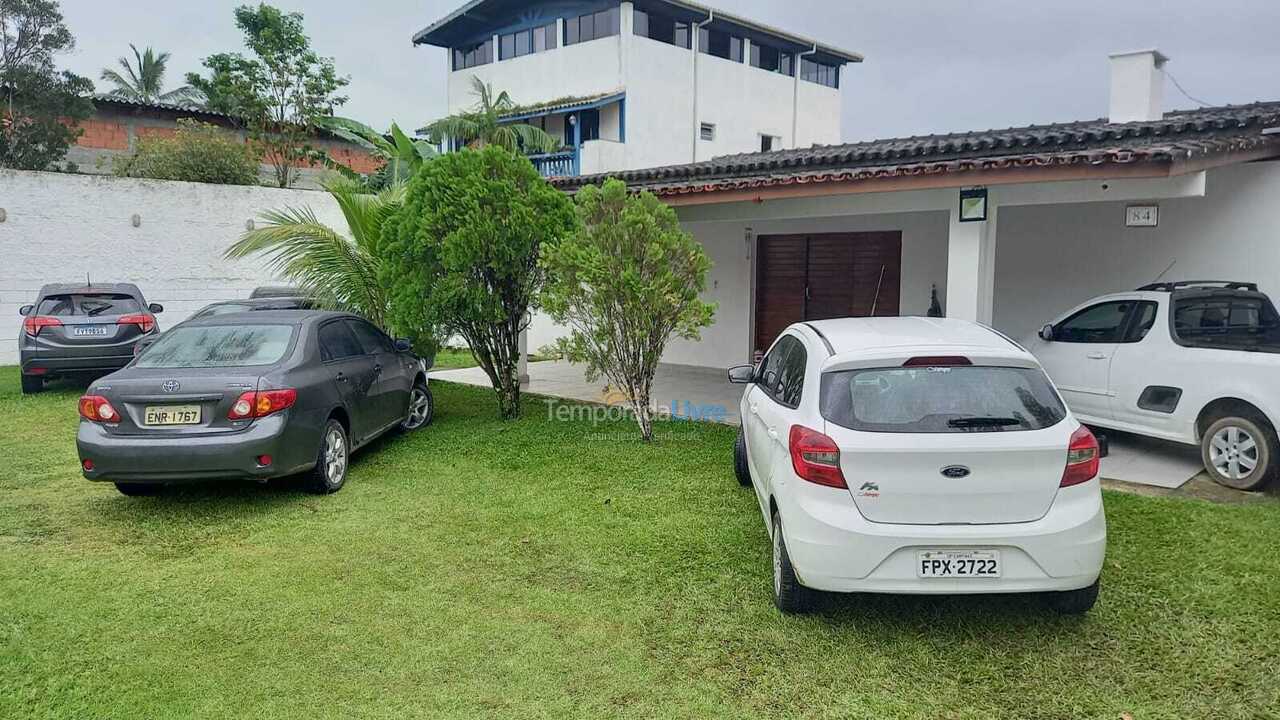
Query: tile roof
{"points": [[161, 106], [1180, 135]]}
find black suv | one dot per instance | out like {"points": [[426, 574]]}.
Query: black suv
{"points": [[82, 329]]}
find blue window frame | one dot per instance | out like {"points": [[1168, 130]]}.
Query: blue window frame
{"points": [[480, 53], [771, 59], [819, 73], [592, 26], [662, 28], [524, 42]]}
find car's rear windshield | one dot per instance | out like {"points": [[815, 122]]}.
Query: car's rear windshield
{"points": [[88, 304], [1231, 322], [223, 309], [940, 399], [218, 346]]}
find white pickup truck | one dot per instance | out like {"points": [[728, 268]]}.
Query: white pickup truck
{"points": [[1195, 362]]}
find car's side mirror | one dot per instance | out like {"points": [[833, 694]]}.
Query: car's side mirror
{"points": [[403, 345], [155, 308], [26, 309], [741, 374], [1046, 332]]}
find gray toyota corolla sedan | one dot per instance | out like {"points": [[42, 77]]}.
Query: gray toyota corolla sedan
{"points": [[252, 395]]}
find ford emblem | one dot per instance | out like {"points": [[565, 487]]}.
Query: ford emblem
{"points": [[170, 386], [955, 472]]}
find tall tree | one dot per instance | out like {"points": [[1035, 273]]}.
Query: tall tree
{"points": [[143, 79], [281, 92], [39, 106], [482, 125]]}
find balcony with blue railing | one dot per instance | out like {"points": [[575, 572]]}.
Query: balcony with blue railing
{"points": [[563, 163]]}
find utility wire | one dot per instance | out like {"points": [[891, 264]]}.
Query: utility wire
{"points": [[1185, 94]]}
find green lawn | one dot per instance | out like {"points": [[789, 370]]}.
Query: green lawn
{"points": [[540, 569], [454, 358]]}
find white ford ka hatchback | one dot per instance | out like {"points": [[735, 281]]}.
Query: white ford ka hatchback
{"points": [[918, 455]]}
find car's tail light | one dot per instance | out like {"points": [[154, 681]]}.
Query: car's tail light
{"points": [[145, 322], [1083, 458], [98, 409], [937, 361], [815, 457], [261, 403], [33, 324]]}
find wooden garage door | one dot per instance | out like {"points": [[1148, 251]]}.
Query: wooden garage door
{"points": [[815, 277]]}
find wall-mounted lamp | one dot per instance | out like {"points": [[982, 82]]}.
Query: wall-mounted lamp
{"points": [[973, 204]]}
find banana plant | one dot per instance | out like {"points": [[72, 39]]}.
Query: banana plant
{"points": [[402, 154]]}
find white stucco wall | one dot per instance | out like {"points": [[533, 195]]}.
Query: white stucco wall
{"points": [[578, 70], [60, 227], [1050, 258]]}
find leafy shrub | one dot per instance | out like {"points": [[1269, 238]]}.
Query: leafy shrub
{"points": [[627, 281], [197, 152], [462, 255]]}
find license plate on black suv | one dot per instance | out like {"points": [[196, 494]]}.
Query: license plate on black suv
{"points": [[89, 331], [958, 563]]}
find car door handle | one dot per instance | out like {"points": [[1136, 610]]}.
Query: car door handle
{"points": [[773, 433], [1096, 356], [755, 409]]}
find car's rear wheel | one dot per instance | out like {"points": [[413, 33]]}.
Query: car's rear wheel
{"points": [[740, 460], [1075, 602], [422, 408], [330, 472], [788, 594], [139, 489], [1238, 451], [32, 384]]}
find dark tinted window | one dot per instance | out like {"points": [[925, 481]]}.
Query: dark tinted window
{"points": [[771, 59], [828, 75], [590, 121], [1231, 321], [1143, 318], [337, 342], [791, 382], [480, 53], [91, 304], [940, 399], [720, 44], [662, 28], [218, 346], [1102, 323], [371, 339], [592, 26]]}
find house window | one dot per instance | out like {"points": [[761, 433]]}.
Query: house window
{"points": [[720, 44], [592, 26], [472, 55], [590, 120], [769, 143], [539, 39], [819, 73], [707, 131], [662, 28], [770, 58]]}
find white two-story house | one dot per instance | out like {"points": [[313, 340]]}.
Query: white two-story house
{"points": [[631, 85]]}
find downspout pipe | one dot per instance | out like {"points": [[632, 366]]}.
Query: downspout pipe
{"points": [[795, 98], [696, 29]]}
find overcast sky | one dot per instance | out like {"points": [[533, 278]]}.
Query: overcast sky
{"points": [[931, 65]]}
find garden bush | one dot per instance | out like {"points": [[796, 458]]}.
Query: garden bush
{"points": [[197, 152]]}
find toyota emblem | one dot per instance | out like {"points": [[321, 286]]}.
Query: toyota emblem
{"points": [[170, 386]]}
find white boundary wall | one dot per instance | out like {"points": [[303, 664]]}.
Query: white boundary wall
{"points": [[59, 227]]}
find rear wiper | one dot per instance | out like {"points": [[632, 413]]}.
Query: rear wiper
{"points": [[983, 422]]}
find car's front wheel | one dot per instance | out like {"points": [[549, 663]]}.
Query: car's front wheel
{"points": [[1237, 451], [139, 489], [1075, 602], [422, 408], [788, 594], [32, 384], [330, 472]]}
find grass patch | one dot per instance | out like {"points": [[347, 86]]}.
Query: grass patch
{"points": [[455, 358], [539, 569]]}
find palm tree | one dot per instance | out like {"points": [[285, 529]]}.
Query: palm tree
{"points": [[145, 82], [402, 154], [481, 126], [336, 269]]}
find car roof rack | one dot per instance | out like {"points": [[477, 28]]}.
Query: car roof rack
{"points": [[1184, 284]]}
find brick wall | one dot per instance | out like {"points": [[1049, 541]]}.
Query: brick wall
{"points": [[103, 135]]}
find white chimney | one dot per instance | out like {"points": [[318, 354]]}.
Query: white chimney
{"points": [[1137, 86]]}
